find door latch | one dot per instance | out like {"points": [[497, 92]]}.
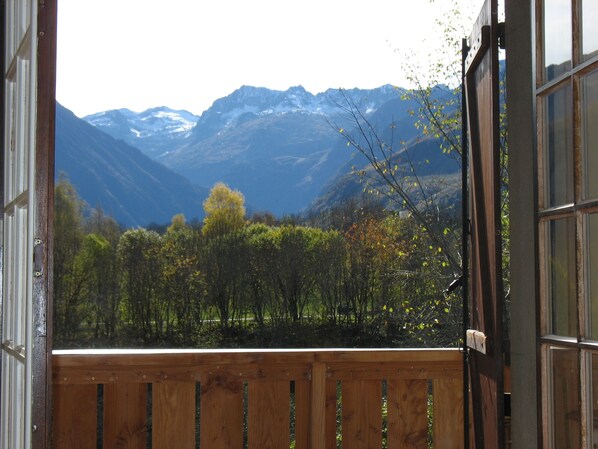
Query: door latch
{"points": [[38, 257]]}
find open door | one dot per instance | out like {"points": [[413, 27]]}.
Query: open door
{"points": [[28, 92], [484, 336]]}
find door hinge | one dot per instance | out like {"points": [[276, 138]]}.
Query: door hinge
{"points": [[18, 352]]}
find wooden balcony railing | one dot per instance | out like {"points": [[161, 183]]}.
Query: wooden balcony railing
{"points": [[263, 399]]}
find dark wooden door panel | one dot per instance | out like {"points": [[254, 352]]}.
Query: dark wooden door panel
{"points": [[484, 338]]}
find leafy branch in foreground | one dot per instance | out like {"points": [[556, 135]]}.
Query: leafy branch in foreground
{"points": [[393, 174]]}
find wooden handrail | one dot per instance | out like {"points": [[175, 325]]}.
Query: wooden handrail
{"points": [[221, 384]]}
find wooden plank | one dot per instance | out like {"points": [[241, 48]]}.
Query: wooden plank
{"points": [[367, 372], [221, 424], [406, 357], [75, 416], [362, 414], [330, 414], [160, 360], [338, 371], [125, 416], [174, 373], [448, 414], [318, 407], [407, 414], [173, 415], [302, 413], [268, 415]]}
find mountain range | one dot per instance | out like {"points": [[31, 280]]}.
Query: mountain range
{"points": [[281, 149], [118, 178]]}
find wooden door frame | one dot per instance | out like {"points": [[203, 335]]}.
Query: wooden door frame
{"points": [[44, 181], [521, 118]]}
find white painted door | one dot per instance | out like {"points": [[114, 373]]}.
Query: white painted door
{"points": [[25, 280]]}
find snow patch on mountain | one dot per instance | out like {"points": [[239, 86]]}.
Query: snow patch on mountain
{"points": [[151, 122], [249, 102], [154, 131]]}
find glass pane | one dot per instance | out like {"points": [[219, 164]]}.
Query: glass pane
{"points": [[566, 419], [558, 148], [589, 32], [589, 133], [594, 396], [592, 274], [557, 38], [561, 277]]}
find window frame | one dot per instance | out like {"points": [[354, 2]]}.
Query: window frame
{"points": [[579, 210]]}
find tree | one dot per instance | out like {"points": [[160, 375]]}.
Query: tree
{"points": [[331, 253], [68, 279], [103, 225], [104, 228], [177, 223], [225, 266], [225, 211], [140, 265], [183, 286], [392, 174], [261, 254], [295, 261], [100, 290]]}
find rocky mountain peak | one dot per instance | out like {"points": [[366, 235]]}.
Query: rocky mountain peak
{"points": [[152, 130]]}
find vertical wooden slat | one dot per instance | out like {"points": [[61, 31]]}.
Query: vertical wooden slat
{"points": [[221, 413], [330, 414], [302, 414], [125, 416], [318, 405], [75, 416], [173, 415], [408, 414], [448, 413], [362, 414], [268, 415]]}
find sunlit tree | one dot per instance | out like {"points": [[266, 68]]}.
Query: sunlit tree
{"points": [[225, 211]]}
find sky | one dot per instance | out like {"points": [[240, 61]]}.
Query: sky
{"points": [[185, 54]]}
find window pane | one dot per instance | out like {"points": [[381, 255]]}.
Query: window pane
{"points": [[561, 277], [565, 399], [589, 133], [558, 148], [592, 275], [557, 38], [589, 30], [594, 396]]}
